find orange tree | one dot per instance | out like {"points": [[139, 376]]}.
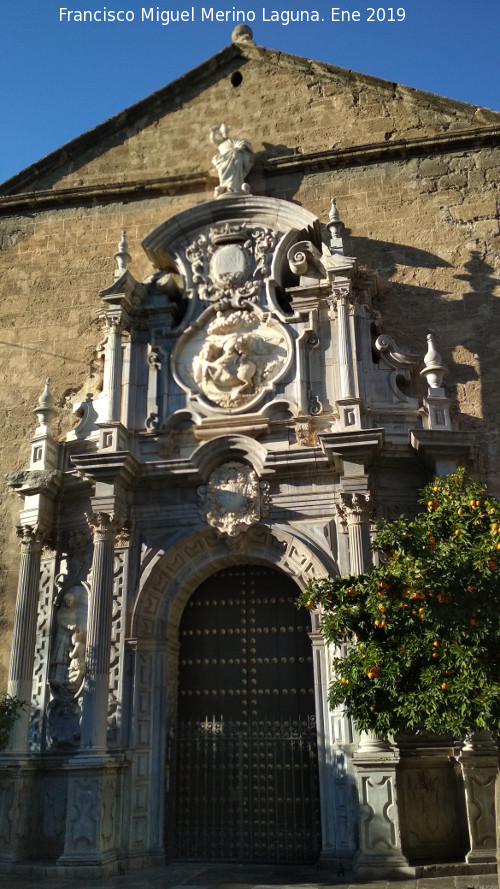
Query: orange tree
{"points": [[423, 627], [10, 709]]}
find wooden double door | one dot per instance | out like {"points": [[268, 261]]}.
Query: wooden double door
{"points": [[243, 758]]}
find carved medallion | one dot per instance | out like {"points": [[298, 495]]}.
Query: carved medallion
{"points": [[231, 261], [230, 266], [233, 499], [232, 359]]}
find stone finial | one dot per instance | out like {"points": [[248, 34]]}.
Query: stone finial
{"points": [[45, 410], [242, 34], [233, 162], [122, 257], [335, 226], [434, 370]]}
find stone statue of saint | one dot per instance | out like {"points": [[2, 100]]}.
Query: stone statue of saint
{"points": [[233, 162], [65, 617], [76, 656], [68, 654]]}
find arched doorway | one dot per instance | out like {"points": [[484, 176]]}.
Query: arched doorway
{"points": [[243, 758]]}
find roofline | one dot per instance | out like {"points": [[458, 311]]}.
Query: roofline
{"points": [[202, 180], [237, 52], [88, 139]]}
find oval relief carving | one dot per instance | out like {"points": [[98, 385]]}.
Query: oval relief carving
{"points": [[232, 359], [230, 266]]}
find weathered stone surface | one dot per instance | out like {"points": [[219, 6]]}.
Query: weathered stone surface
{"points": [[428, 227], [413, 179]]}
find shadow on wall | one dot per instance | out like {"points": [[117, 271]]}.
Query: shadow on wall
{"points": [[466, 328]]}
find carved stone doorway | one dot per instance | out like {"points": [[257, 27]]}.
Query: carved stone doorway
{"points": [[243, 759]]}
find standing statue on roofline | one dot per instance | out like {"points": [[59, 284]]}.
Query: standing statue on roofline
{"points": [[233, 162]]}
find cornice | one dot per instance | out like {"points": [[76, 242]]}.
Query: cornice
{"points": [[352, 156]]}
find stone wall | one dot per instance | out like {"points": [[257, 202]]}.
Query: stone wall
{"points": [[424, 217]]}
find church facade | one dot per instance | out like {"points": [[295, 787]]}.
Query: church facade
{"points": [[243, 374]]}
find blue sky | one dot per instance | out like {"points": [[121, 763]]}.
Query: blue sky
{"points": [[60, 78]]}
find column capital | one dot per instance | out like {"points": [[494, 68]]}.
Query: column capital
{"points": [[355, 508], [114, 321], [31, 538], [103, 526]]}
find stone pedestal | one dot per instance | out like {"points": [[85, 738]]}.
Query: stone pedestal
{"points": [[380, 851], [18, 807], [431, 805], [479, 764], [93, 822]]}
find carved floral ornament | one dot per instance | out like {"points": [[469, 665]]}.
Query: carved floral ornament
{"points": [[229, 359], [233, 499], [231, 261]]}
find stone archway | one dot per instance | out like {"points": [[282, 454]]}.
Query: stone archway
{"points": [[168, 580], [169, 577]]}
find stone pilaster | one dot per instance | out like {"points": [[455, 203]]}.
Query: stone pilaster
{"points": [[95, 695], [349, 404], [345, 346], [23, 644], [113, 370], [335, 748]]}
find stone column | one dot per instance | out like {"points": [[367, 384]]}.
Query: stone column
{"points": [[23, 644], [113, 370], [354, 512], [96, 686], [479, 764]]}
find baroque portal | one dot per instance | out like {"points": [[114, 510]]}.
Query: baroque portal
{"points": [[255, 348]]}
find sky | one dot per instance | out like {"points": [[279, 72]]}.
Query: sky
{"points": [[61, 77]]}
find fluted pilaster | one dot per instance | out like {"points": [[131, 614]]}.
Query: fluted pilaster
{"points": [[345, 345], [113, 370]]}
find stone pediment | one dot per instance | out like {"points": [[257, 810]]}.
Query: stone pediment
{"points": [[167, 241]]}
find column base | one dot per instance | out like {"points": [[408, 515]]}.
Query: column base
{"points": [[373, 867], [481, 856]]}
